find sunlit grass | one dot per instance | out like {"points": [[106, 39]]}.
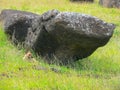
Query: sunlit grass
{"points": [[100, 71]]}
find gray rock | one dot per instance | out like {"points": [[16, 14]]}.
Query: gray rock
{"points": [[59, 36], [6, 13], [17, 24], [75, 36], [38, 38], [110, 3]]}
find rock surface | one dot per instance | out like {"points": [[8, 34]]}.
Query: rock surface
{"points": [[110, 3], [17, 24], [6, 13], [63, 36]]}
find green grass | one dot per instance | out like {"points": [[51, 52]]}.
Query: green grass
{"points": [[100, 71]]}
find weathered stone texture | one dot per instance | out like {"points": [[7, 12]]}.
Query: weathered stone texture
{"points": [[17, 24], [66, 36]]}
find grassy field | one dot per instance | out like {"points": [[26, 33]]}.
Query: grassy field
{"points": [[100, 71]]}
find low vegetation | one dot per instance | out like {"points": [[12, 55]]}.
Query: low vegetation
{"points": [[100, 71]]}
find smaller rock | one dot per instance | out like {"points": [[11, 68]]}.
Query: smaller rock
{"points": [[17, 24], [56, 70], [110, 3]]}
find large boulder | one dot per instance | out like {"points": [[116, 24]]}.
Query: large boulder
{"points": [[110, 3], [69, 36], [75, 35], [63, 36]]}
